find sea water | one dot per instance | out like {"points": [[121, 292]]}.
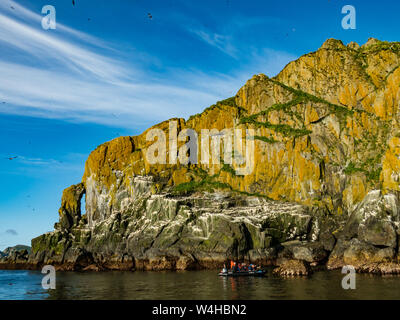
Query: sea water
{"points": [[23, 285]]}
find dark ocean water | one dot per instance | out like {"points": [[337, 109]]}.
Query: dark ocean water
{"points": [[26, 285]]}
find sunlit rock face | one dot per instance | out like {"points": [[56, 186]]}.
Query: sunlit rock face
{"points": [[326, 131], [327, 141]]}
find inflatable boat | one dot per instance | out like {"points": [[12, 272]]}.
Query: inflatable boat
{"points": [[255, 273]]}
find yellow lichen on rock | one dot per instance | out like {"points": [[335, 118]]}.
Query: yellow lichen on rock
{"points": [[391, 166]]}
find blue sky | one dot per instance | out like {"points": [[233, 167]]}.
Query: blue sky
{"points": [[109, 70]]}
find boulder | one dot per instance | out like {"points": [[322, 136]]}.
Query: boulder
{"points": [[290, 268], [378, 232], [311, 252], [371, 233]]}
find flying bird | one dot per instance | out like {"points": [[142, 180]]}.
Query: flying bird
{"points": [[12, 7]]}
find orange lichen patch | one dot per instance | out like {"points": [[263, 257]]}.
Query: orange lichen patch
{"points": [[355, 191], [180, 176], [380, 108], [71, 197], [311, 115], [109, 157], [380, 65], [214, 117], [309, 172], [391, 166], [392, 93], [348, 96]]}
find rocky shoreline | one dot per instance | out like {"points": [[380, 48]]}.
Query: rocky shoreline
{"points": [[205, 230]]}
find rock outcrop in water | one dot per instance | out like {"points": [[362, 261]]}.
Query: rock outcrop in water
{"points": [[15, 257], [324, 189]]}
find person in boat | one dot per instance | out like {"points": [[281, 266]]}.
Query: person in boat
{"points": [[236, 267], [224, 269]]}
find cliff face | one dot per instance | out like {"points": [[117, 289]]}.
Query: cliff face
{"points": [[326, 175], [327, 133]]}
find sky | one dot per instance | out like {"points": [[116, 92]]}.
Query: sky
{"points": [[114, 68]]}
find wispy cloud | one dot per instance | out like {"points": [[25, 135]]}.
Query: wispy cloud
{"points": [[21, 13], [82, 84], [44, 46], [221, 42], [38, 161], [70, 75]]}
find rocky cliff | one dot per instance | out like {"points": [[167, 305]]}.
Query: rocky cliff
{"points": [[323, 189]]}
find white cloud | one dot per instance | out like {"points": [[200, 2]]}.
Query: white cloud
{"points": [[67, 74], [38, 161], [219, 41], [44, 46], [21, 13], [60, 95], [83, 85]]}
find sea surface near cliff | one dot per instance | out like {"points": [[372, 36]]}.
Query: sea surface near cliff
{"points": [[26, 285]]}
